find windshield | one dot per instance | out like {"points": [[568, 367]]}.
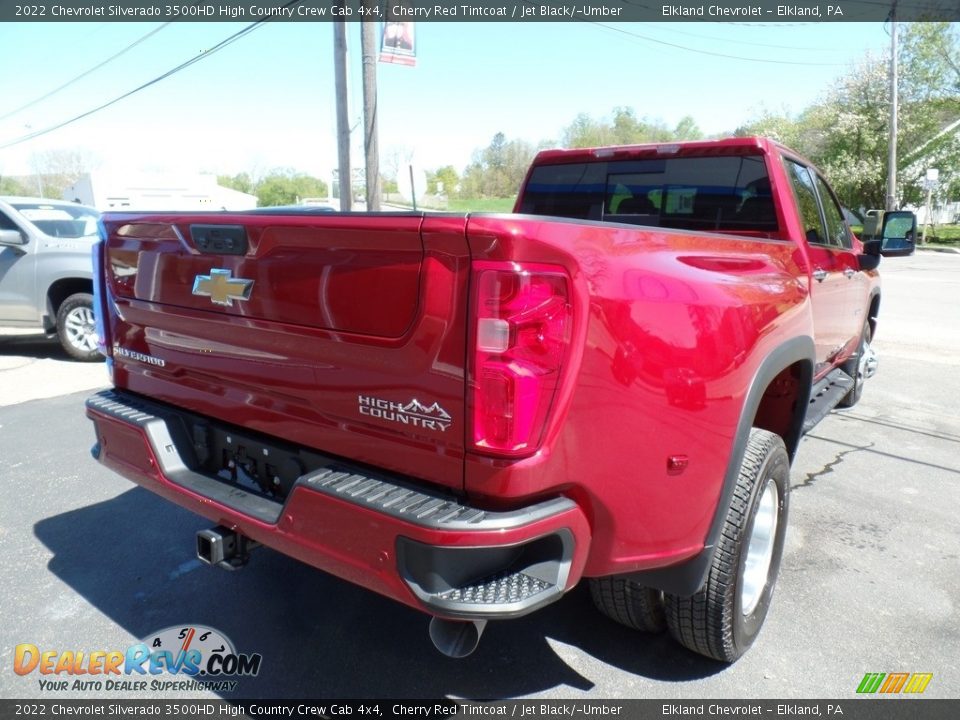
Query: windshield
{"points": [[60, 220]]}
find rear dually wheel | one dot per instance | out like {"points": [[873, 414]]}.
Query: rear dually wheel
{"points": [[724, 617]]}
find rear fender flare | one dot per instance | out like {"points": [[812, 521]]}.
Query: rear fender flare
{"points": [[688, 577]]}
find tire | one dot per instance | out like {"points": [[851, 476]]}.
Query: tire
{"points": [[75, 327], [855, 367], [630, 604], [724, 617]]}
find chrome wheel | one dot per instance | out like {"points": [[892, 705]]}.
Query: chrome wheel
{"points": [[862, 361], [80, 329], [723, 618], [760, 549], [868, 361]]}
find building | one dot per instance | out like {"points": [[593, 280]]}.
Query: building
{"points": [[160, 191]]}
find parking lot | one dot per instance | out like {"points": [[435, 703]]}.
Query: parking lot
{"points": [[870, 580]]}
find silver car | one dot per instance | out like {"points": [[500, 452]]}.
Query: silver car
{"points": [[46, 270]]}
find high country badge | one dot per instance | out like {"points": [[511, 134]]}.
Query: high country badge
{"points": [[413, 413]]}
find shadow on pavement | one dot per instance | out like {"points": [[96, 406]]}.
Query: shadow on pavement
{"points": [[39, 347], [131, 557]]}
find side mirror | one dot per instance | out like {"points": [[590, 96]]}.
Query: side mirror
{"points": [[12, 238], [898, 233], [870, 258]]}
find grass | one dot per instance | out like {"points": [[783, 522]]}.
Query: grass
{"points": [[941, 235], [504, 205], [944, 233]]}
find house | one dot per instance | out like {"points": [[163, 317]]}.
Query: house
{"points": [[160, 191]]}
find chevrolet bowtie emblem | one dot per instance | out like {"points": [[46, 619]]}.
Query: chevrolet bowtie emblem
{"points": [[221, 288]]}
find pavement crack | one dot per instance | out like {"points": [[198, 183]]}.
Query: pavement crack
{"points": [[829, 467]]}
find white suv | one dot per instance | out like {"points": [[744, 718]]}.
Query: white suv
{"points": [[46, 270]]}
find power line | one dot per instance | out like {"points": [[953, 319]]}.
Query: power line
{"points": [[83, 74], [182, 66], [710, 52], [754, 44]]}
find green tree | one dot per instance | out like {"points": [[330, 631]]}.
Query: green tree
{"points": [[287, 187], [584, 131], [687, 129], [930, 95], [445, 176], [389, 185], [241, 182], [11, 186], [779, 126], [497, 170], [625, 128]]}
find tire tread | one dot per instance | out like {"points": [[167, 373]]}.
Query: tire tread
{"points": [[628, 603], [704, 621]]}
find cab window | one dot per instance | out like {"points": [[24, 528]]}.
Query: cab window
{"points": [[806, 197], [837, 233]]}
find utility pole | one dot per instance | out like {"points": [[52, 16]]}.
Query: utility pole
{"points": [[343, 124], [368, 49], [892, 142], [930, 182]]}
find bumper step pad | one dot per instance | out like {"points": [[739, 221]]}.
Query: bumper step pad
{"points": [[505, 588]]}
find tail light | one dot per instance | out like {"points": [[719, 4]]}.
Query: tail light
{"points": [[520, 343]]}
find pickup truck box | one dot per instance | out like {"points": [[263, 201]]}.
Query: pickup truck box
{"points": [[470, 414], [45, 271]]}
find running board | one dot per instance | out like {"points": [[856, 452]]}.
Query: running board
{"points": [[825, 396]]}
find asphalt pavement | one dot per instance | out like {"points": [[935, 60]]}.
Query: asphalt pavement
{"points": [[870, 580]]}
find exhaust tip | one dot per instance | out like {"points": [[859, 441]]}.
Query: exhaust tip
{"points": [[456, 638]]}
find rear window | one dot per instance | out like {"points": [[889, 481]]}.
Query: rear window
{"points": [[726, 194]]}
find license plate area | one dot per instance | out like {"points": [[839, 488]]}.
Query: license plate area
{"points": [[253, 463]]}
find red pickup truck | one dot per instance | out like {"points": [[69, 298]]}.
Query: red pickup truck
{"points": [[470, 414]]}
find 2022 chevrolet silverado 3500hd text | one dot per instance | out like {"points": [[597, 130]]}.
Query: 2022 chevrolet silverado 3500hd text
{"points": [[472, 414]]}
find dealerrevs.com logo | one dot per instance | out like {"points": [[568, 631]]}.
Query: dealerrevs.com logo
{"points": [[178, 658], [894, 683]]}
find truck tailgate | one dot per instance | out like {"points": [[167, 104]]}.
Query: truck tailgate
{"points": [[341, 333]]}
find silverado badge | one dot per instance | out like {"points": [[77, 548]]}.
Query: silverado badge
{"points": [[221, 288]]}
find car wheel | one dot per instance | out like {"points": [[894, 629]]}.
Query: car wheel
{"points": [[861, 366], [629, 603], [76, 328], [724, 617]]}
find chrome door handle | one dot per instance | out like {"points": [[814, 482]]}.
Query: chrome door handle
{"points": [[849, 272], [819, 274]]}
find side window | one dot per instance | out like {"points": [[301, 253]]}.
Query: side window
{"points": [[837, 233], [806, 195], [6, 223]]}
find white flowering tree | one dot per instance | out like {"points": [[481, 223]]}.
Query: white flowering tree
{"points": [[846, 131]]}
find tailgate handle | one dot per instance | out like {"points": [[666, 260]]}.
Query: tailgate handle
{"points": [[220, 239]]}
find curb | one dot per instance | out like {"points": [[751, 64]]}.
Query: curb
{"points": [[927, 248]]}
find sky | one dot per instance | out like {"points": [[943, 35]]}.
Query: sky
{"points": [[267, 100]]}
